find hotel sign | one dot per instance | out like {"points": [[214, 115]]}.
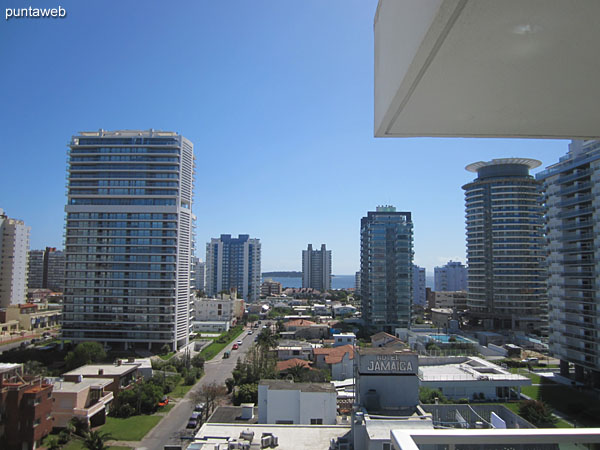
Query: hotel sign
{"points": [[388, 364]]}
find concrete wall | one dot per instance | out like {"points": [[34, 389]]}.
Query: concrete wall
{"points": [[394, 391]]}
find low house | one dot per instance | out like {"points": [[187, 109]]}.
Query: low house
{"points": [[288, 349], [344, 339], [320, 309], [284, 402], [343, 310], [307, 329], [284, 366], [25, 406], [441, 317], [86, 400], [122, 376], [339, 360], [32, 316], [382, 339], [466, 377]]}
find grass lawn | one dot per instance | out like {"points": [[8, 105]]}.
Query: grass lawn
{"points": [[215, 347], [131, 429], [167, 356], [577, 405], [180, 390], [166, 408], [514, 407]]}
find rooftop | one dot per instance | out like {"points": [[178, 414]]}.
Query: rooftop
{"points": [[290, 437], [471, 369], [288, 364], [231, 414], [304, 387], [335, 355], [107, 369], [85, 383]]}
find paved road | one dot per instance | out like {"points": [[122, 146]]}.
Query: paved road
{"points": [[170, 429]]}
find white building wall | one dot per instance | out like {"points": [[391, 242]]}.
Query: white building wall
{"points": [[14, 247], [318, 405], [343, 369]]}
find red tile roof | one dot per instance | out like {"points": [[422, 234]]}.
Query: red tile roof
{"points": [[285, 365], [299, 323], [335, 355]]}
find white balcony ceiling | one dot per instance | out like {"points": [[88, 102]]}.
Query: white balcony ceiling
{"points": [[488, 68]]}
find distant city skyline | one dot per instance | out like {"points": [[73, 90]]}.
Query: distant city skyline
{"points": [[301, 164]]}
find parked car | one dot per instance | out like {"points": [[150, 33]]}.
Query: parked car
{"points": [[239, 343], [195, 416], [250, 332], [235, 347], [193, 424], [199, 407]]}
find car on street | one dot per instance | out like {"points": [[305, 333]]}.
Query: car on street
{"points": [[199, 407], [250, 332], [239, 343], [195, 415], [235, 347], [193, 424]]}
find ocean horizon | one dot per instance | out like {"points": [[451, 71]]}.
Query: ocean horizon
{"points": [[337, 281]]}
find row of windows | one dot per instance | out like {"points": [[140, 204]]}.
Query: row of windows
{"points": [[125, 183], [122, 216], [126, 250], [149, 167], [118, 224], [121, 258], [121, 232], [143, 158], [124, 201], [129, 175], [123, 191], [116, 241]]}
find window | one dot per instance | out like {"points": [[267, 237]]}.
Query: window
{"points": [[387, 446], [316, 421]]}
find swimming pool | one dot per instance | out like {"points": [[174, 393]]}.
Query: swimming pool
{"points": [[445, 338]]}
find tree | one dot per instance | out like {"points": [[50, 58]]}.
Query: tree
{"points": [[94, 440], [198, 361], [209, 394], [85, 353], [253, 317], [267, 339], [246, 393], [52, 443], [538, 413], [427, 396], [33, 367]]}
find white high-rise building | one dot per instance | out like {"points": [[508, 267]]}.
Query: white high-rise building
{"points": [[233, 263], [572, 199], [316, 268], [419, 278], [129, 238], [451, 277], [198, 272], [14, 246], [505, 246]]}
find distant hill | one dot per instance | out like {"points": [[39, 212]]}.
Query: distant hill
{"points": [[290, 274]]}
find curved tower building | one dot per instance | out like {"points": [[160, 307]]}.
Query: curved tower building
{"points": [[506, 277]]}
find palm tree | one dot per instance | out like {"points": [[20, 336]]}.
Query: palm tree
{"points": [[94, 440], [298, 372]]}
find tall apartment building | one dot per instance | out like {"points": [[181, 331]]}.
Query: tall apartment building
{"points": [[451, 277], [233, 263], [316, 268], [572, 200], [386, 255], [418, 283], [505, 246], [46, 269], [198, 280], [14, 244], [128, 238]]}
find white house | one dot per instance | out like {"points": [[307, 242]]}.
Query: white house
{"points": [[284, 402], [340, 360], [343, 310], [344, 339]]}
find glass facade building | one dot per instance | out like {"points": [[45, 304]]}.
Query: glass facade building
{"points": [[505, 246], [128, 238], [233, 263], [572, 205], [386, 268]]}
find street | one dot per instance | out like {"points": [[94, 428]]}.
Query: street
{"points": [[172, 427]]}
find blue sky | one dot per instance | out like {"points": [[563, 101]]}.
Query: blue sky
{"points": [[277, 97]]}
